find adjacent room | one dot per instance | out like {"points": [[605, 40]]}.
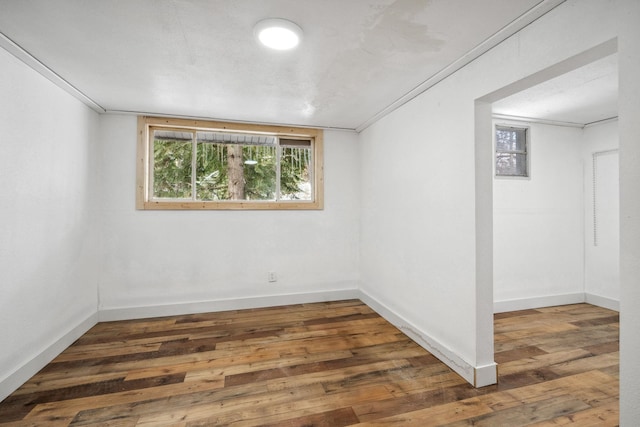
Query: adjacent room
{"points": [[412, 186], [556, 228]]}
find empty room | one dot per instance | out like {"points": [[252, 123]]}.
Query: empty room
{"points": [[292, 213]]}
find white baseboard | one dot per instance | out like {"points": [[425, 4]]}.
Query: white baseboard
{"points": [[31, 367], [537, 302], [477, 376], [141, 312], [603, 302], [486, 375]]}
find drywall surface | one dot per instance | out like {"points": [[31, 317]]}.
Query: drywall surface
{"points": [[417, 247], [419, 183], [48, 247], [602, 211], [629, 129], [537, 221], [155, 258]]}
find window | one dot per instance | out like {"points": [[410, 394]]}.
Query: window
{"points": [[511, 151], [189, 164]]}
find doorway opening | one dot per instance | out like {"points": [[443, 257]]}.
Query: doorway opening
{"points": [[533, 232]]}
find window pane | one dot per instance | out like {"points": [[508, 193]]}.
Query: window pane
{"points": [[232, 166], [295, 173], [259, 172], [211, 176], [172, 164], [511, 139], [511, 164]]}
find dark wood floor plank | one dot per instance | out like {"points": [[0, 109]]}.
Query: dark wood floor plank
{"points": [[70, 408], [325, 364], [601, 416], [420, 399], [435, 415], [522, 415], [335, 418], [518, 353], [517, 313]]}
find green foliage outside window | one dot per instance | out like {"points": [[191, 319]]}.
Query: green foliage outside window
{"points": [[172, 169], [255, 165]]}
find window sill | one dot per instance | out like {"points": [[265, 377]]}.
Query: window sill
{"points": [[248, 205]]}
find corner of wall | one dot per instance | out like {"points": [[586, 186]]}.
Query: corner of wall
{"points": [[31, 367], [603, 302], [537, 302], [478, 376]]}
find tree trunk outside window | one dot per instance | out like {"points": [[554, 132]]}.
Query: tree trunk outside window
{"points": [[235, 172]]}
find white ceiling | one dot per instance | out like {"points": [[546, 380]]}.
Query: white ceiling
{"points": [[359, 58], [586, 95]]}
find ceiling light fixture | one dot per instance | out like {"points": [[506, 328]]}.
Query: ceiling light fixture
{"points": [[278, 33]]}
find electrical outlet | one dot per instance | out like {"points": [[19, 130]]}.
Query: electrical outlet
{"points": [[272, 276]]}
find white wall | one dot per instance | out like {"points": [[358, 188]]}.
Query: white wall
{"points": [[544, 252], [538, 223], [629, 129], [418, 219], [48, 249], [602, 245], [419, 184], [205, 260]]}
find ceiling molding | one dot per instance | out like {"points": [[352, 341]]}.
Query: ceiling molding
{"points": [[16, 50], [533, 14], [220, 119], [537, 120], [551, 122], [601, 122]]}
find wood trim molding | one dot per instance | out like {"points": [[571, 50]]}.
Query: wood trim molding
{"points": [[143, 201]]}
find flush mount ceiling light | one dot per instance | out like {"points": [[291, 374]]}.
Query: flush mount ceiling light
{"points": [[277, 33]]}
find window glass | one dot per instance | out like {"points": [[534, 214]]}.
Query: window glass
{"points": [[510, 139], [511, 151], [235, 166], [172, 155], [511, 164], [295, 170]]}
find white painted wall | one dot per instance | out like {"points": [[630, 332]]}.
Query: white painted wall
{"points": [[629, 131], [418, 216], [48, 246], [544, 252], [191, 261], [602, 245], [538, 222], [418, 251]]}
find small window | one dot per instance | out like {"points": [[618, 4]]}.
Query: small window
{"points": [[512, 151], [210, 165]]}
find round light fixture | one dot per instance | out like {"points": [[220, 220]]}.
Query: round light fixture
{"points": [[278, 33]]}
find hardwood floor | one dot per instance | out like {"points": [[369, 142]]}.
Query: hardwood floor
{"points": [[326, 364]]}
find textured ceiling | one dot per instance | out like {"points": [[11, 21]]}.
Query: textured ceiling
{"points": [[198, 58], [586, 95]]}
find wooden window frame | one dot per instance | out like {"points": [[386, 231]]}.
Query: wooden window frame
{"points": [[143, 169]]}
